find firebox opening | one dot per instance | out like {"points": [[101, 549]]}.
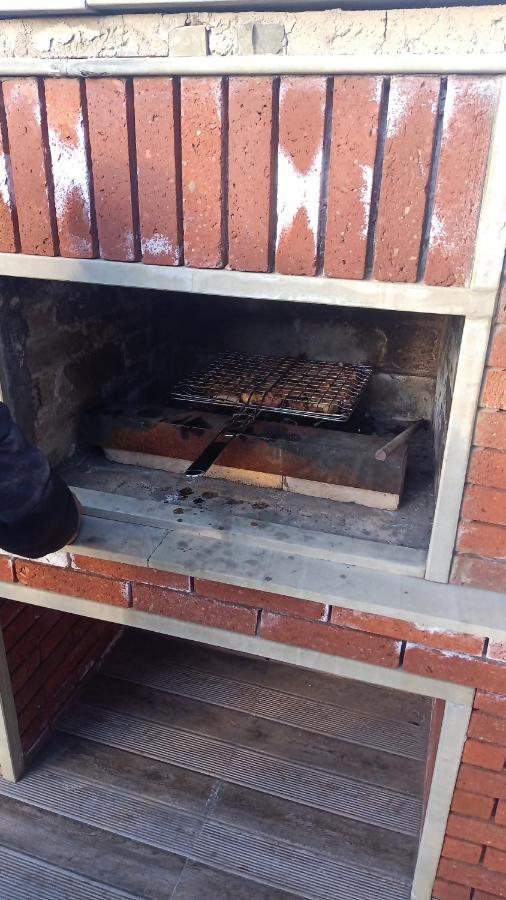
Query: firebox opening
{"points": [[90, 373]]}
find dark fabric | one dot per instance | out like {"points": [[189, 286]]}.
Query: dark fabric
{"points": [[24, 471], [38, 514]]}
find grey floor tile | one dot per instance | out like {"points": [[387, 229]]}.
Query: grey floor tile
{"points": [[110, 859], [200, 882], [318, 831], [130, 772]]}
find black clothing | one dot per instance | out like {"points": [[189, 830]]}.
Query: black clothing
{"points": [[38, 514]]}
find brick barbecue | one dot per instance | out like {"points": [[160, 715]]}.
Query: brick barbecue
{"points": [[358, 201]]}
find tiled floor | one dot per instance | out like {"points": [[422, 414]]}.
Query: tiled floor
{"points": [[185, 773]]}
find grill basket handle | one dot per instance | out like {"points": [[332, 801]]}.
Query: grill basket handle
{"points": [[238, 424]]}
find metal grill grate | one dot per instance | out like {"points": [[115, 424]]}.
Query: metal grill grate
{"points": [[322, 390]]}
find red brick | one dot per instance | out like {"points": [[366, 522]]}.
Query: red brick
{"points": [[18, 627], [66, 673], [6, 569], [500, 816], [406, 631], [158, 176], [471, 805], [477, 831], [463, 850], [490, 784], [31, 639], [486, 756], [24, 671], [260, 599], [481, 573], [490, 429], [435, 725], [109, 140], [79, 661], [250, 173], [443, 890], [494, 859], [481, 895], [33, 710], [127, 572], [495, 704], [70, 169], [202, 161], [488, 467], [300, 154], [497, 650], [448, 666], [468, 118], [75, 584], [50, 664], [354, 136], [9, 609], [484, 504], [497, 355], [411, 122], [54, 636], [191, 608], [494, 389], [37, 228], [329, 639], [482, 539], [8, 236], [472, 876]]}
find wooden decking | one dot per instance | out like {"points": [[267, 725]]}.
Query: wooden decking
{"points": [[184, 773]]}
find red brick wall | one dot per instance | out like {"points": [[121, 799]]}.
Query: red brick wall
{"points": [[49, 653], [158, 172], [463, 658], [481, 542], [474, 852]]}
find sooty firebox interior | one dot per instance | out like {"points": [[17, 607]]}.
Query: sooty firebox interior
{"points": [[96, 375]]}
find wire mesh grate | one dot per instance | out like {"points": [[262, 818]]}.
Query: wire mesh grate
{"points": [[285, 385]]}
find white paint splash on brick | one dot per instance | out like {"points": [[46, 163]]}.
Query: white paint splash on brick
{"points": [[160, 245], [376, 90], [5, 194], [448, 654], [70, 169], [468, 90], [399, 102], [365, 196], [298, 190], [128, 245], [438, 236]]}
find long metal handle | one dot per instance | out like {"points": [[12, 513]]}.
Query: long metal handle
{"points": [[237, 425], [396, 442]]}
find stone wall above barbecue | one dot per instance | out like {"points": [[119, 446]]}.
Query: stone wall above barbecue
{"points": [[464, 29]]}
